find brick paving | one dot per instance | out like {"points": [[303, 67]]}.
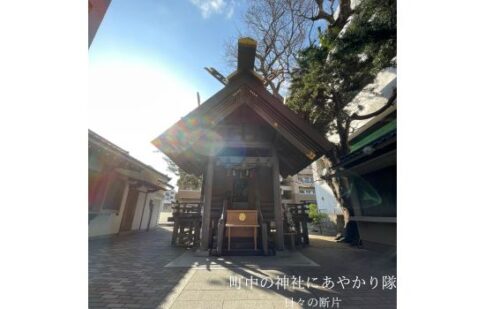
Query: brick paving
{"points": [[128, 272]]}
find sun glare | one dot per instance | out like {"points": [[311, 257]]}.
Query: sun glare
{"points": [[131, 102]]}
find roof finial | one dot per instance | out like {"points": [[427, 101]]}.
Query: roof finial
{"points": [[246, 53]]}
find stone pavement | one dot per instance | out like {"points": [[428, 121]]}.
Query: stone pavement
{"points": [[129, 272]]}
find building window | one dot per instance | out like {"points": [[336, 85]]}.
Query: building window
{"points": [[286, 194], [305, 179], [377, 192], [286, 182], [114, 195], [309, 191]]}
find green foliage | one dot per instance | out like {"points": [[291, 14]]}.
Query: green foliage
{"points": [[372, 32], [186, 181], [189, 181], [330, 75], [315, 215]]}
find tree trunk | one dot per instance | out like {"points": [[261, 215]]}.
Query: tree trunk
{"points": [[340, 189]]}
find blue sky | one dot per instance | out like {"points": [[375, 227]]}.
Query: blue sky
{"points": [[182, 35], [146, 65]]}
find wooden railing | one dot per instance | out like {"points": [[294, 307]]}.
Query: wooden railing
{"points": [[264, 226], [264, 232], [220, 228], [299, 222], [187, 220]]}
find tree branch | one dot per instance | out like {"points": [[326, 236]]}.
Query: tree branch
{"points": [[345, 10], [389, 103], [321, 14], [280, 31]]}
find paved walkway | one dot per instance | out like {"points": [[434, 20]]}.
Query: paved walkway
{"points": [[129, 272]]}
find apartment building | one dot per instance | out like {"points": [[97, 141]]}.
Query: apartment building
{"points": [[299, 188]]}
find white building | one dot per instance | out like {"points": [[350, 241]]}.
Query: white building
{"points": [[326, 201], [125, 194], [168, 199], [298, 188]]}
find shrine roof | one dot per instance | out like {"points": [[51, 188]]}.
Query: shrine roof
{"points": [[296, 142]]}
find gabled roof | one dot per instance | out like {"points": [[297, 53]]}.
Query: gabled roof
{"points": [[133, 168], [297, 143]]}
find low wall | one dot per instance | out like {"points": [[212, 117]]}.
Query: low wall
{"points": [[108, 222], [331, 225], [377, 235]]}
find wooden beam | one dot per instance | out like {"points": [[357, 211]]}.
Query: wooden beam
{"points": [[282, 130], [206, 219], [291, 116], [278, 213], [244, 144], [262, 222]]}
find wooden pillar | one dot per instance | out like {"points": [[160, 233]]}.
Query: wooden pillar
{"points": [[278, 213], [175, 232], [206, 218]]}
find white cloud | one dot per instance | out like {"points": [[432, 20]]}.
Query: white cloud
{"points": [[209, 7]]}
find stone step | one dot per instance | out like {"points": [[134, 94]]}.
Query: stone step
{"points": [[242, 252]]}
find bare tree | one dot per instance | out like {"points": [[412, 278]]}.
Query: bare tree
{"points": [[326, 10], [280, 28]]}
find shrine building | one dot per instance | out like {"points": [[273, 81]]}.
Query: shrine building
{"points": [[242, 140]]}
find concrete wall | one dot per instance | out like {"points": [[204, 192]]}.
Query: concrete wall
{"points": [[326, 201], [332, 225], [157, 206], [140, 203], [163, 217], [376, 234], [374, 95], [294, 186], [108, 222], [143, 208]]}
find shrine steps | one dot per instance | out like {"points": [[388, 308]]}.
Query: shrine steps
{"points": [[242, 247], [242, 252]]}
